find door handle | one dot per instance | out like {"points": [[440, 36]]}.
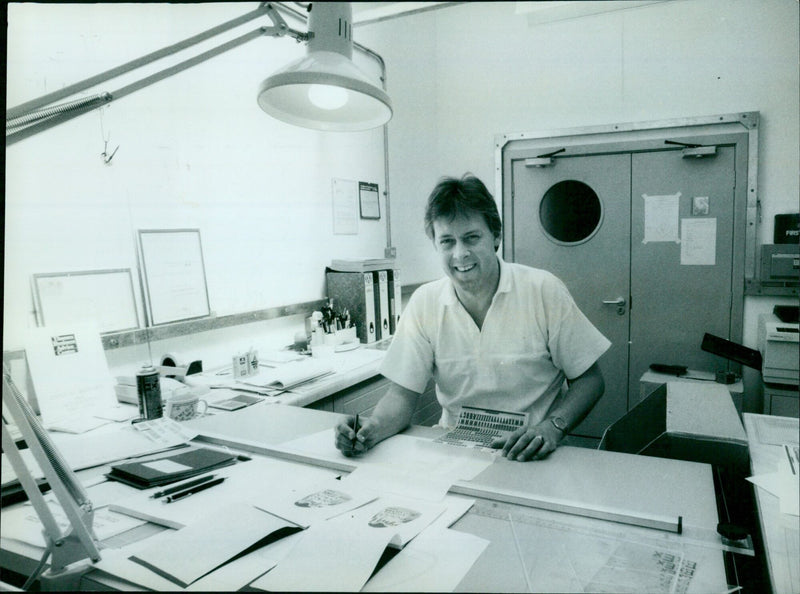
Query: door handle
{"points": [[618, 301]]}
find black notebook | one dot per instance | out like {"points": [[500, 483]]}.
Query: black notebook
{"points": [[169, 469]]}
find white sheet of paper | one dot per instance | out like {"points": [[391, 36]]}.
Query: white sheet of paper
{"points": [[107, 492], [784, 486], [435, 561], [332, 556], [116, 562], [70, 375], [203, 546], [288, 374], [388, 480], [315, 503], [402, 453], [345, 206], [237, 574], [164, 432], [699, 242], [117, 413], [23, 524], [402, 516], [777, 430], [661, 218], [456, 507]]}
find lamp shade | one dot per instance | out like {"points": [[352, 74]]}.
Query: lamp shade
{"points": [[325, 90]]}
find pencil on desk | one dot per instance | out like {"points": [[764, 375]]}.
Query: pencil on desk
{"points": [[182, 486], [193, 490], [355, 430]]}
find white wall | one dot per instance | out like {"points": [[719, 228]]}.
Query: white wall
{"points": [[459, 76], [195, 150]]}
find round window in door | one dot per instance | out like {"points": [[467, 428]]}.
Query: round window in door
{"points": [[570, 212]]}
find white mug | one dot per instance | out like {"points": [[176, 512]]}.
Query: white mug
{"points": [[185, 405]]}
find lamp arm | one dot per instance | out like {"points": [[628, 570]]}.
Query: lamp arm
{"points": [[62, 113], [73, 89], [41, 119]]}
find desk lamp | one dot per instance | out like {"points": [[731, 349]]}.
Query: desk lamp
{"points": [[325, 90]]}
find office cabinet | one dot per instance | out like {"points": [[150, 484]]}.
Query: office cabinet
{"points": [[362, 398], [781, 400], [647, 227]]}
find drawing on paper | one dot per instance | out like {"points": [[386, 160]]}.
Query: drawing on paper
{"points": [[393, 516], [324, 498]]}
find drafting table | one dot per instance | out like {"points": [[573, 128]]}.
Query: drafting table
{"points": [[606, 480], [780, 532], [527, 544]]}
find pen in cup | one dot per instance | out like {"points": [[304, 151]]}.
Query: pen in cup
{"points": [[182, 486], [193, 490]]}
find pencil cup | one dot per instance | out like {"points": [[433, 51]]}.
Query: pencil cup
{"points": [[346, 335]]}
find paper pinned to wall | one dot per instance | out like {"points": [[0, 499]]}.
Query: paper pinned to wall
{"points": [[661, 215], [699, 242], [345, 207]]}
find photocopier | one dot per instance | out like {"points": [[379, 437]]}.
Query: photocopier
{"points": [[779, 344]]}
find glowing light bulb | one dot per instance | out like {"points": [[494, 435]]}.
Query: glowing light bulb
{"points": [[327, 96]]}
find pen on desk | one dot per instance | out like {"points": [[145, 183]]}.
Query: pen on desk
{"points": [[355, 430], [193, 490], [182, 486]]}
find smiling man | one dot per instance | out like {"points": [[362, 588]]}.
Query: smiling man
{"points": [[491, 334]]}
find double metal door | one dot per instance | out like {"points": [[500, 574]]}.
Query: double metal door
{"points": [[644, 242]]}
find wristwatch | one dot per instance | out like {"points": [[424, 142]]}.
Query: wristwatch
{"points": [[559, 424]]}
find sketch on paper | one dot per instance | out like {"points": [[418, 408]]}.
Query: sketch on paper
{"points": [[393, 516], [323, 498]]}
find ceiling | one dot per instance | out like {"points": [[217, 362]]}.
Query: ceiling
{"points": [[537, 12], [372, 12]]}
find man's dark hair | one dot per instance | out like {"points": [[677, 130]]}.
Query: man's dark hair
{"points": [[453, 197]]}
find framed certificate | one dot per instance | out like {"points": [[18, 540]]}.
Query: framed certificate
{"points": [[104, 298], [368, 200], [173, 275]]}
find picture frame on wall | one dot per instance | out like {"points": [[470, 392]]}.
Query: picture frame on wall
{"points": [[106, 298], [173, 275], [369, 201]]}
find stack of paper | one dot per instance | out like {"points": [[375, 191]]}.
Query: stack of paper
{"points": [[362, 264], [289, 375], [170, 469]]}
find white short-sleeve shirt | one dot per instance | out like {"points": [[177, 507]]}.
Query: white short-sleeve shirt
{"points": [[533, 337]]}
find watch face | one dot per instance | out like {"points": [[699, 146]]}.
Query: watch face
{"points": [[559, 423]]}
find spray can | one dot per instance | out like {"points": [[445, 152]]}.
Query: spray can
{"points": [[149, 391]]}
